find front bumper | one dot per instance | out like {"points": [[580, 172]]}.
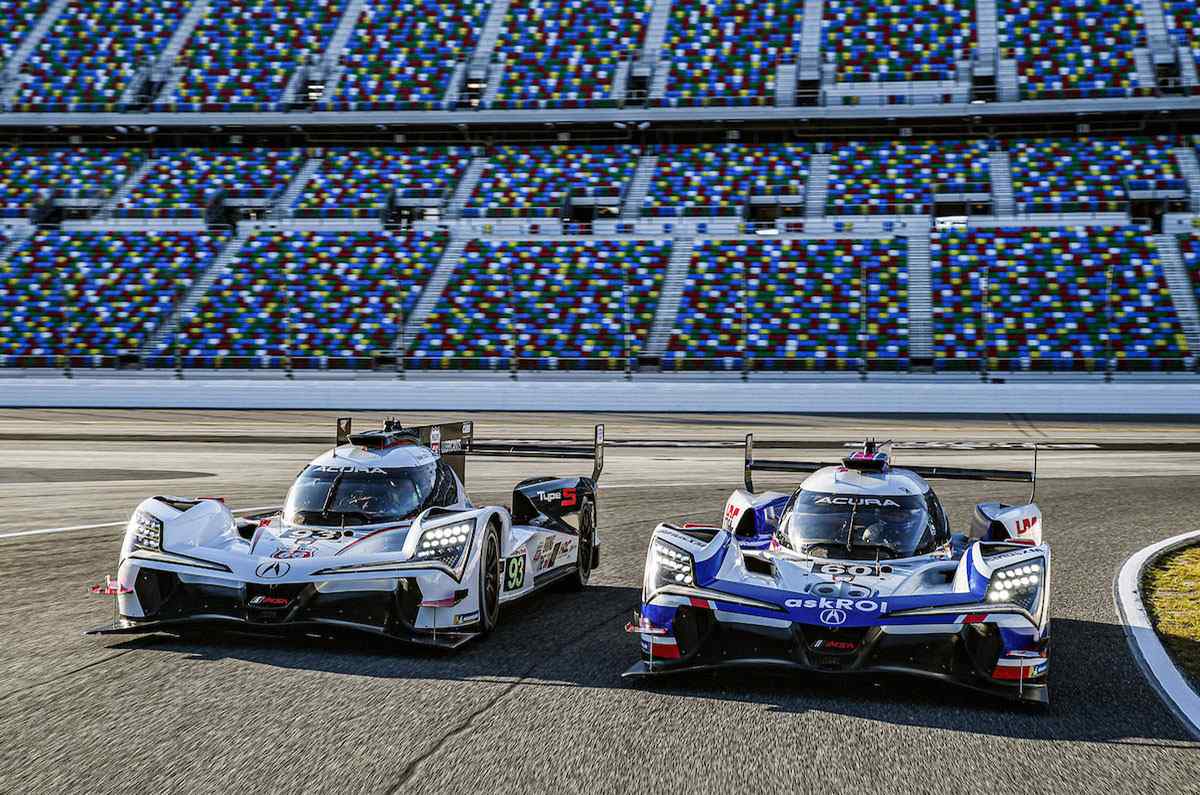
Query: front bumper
{"points": [[972, 656], [396, 608]]}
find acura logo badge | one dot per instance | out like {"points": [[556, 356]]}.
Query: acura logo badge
{"points": [[833, 617], [278, 568]]}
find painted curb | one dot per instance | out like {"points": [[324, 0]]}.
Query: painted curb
{"points": [[1147, 649]]}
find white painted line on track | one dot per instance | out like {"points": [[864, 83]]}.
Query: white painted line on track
{"points": [[1143, 640], [49, 530]]}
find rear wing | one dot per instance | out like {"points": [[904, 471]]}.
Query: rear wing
{"points": [[753, 465], [454, 441], [594, 453]]}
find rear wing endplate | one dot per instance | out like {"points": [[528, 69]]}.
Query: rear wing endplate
{"points": [[753, 465]]}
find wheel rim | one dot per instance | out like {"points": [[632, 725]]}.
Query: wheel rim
{"points": [[587, 523], [491, 579]]}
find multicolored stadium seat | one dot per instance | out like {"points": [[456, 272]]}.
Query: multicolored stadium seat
{"points": [[901, 177], [1096, 173], [897, 39], [1182, 18], [244, 53], [95, 293], [557, 304], [188, 178], [536, 181], [720, 179], [352, 178], [564, 53], [727, 52], [311, 294], [95, 49], [403, 55], [1049, 303], [1072, 48], [1189, 247], [17, 18], [804, 303], [27, 173]]}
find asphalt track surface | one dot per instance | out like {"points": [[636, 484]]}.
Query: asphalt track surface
{"points": [[540, 706]]}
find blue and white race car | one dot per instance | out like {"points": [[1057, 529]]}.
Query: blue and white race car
{"points": [[856, 571]]}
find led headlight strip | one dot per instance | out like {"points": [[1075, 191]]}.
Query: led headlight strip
{"points": [[146, 531], [672, 566], [1019, 584]]}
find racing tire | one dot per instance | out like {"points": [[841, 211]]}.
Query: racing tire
{"points": [[587, 544], [490, 574]]}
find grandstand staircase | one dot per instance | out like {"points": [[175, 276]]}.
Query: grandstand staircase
{"points": [[1008, 86], [810, 41], [431, 293], [166, 61], [635, 197], [1187, 66], [12, 70], [670, 295], [283, 207], [125, 188], [343, 32], [1189, 164], [785, 85], [920, 298], [495, 77], [197, 291], [986, 32], [658, 83], [816, 192], [466, 187], [17, 238], [1161, 48], [1182, 292], [650, 58], [480, 67], [1003, 203], [1145, 67]]}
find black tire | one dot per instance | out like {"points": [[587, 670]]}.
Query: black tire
{"points": [[490, 573], [587, 543]]}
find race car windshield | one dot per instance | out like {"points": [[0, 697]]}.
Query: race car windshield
{"points": [[859, 527], [335, 496]]}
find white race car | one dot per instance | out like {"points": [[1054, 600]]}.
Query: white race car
{"points": [[377, 535]]}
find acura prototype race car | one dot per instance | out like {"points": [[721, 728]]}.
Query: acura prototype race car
{"points": [[856, 571], [377, 535]]}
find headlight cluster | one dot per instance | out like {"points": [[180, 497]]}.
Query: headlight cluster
{"points": [[146, 530], [1020, 584], [446, 545], [672, 566]]}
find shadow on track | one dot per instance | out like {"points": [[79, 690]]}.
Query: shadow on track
{"points": [[573, 640]]}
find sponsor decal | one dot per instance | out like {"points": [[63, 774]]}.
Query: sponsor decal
{"points": [[1023, 526], [833, 617], [843, 606], [435, 439], [882, 502], [316, 534], [514, 572], [466, 428], [294, 553], [550, 551], [731, 515], [369, 470], [273, 570], [834, 645], [452, 446], [838, 571], [466, 618], [269, 601], [569, 497]]}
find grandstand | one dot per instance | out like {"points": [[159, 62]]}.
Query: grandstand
{"points": [[638, 186]]}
